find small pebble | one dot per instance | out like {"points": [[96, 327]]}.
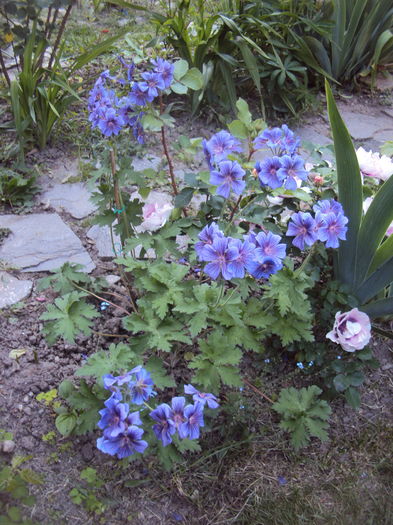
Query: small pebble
{"points": [[8, 446]]}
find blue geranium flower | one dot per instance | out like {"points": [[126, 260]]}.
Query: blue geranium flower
{"points": [[331, 228], [268, 245], [194, 420], [164, 69], [269, 172], [291, 167], [302, 227], [165, 426], [228, 178], [141, 388], [220, 255], [153, 84], [245, 256], [202, 397], [223, 144], [207, 236], [113, 417], [264, 267], [125, 444], [111, 122]]}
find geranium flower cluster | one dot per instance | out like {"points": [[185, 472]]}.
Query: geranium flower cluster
{"points": [[226, 174], [259, 254], [122, 434], [328, 225], [178, 417], [110, 113], [286, 167]]}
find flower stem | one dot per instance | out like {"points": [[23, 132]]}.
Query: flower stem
{"points": [[305, 261], [166, 152], [258, 391], [101, 298]]}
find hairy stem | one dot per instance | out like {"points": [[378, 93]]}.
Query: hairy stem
{"points": [[59, 35], [101, 298], [258, 391]]}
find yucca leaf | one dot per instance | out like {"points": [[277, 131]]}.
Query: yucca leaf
{"points": [[382, 277], [350, 190], [379, 308], [382, 254], [373, 229]]}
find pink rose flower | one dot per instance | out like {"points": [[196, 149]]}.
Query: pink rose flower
{"points": [[351, 330], [374, 164], [155, 215]]}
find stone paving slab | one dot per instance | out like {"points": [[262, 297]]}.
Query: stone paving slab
{"points": [[13, 290], [73, 198], [41, 242]]}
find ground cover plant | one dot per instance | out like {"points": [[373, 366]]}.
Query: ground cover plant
{"points": [[232, 289], [245, 333]]}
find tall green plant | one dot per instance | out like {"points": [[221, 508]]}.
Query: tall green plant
{"points": [[42, 90], [360, 39], [211, 42], [365, 259]]}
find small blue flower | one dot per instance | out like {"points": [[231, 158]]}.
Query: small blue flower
{"points": [[165, 426], [207, 236], [269, 172], [141, 388], [219, 255], [300, 365], [228, 178], [281, 480], [292, 167], [113, 417], [223, 144], [125, 444], [302, 227], [264, 267], [194, 416], [202, 397]]}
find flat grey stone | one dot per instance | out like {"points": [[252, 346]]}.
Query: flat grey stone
{"points": [[13, 290], [309, 134], [73, 198], [384, 82], [101, 235], [383, 135], [388, 111], [363, 127], [149, 162], [41, 242], [65, 169]]}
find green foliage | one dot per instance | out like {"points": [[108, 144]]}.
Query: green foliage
{"points": [[68, 316], [365, 261], [215, 49], [81, 413], [303, 414], [47, 397], [16, 188], [14, 490], [291, 316], [86, 496], [42, 90], [66, 278], [359, 40]]}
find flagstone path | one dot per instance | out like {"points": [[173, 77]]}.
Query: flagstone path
{"points": [[40, 242]]}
